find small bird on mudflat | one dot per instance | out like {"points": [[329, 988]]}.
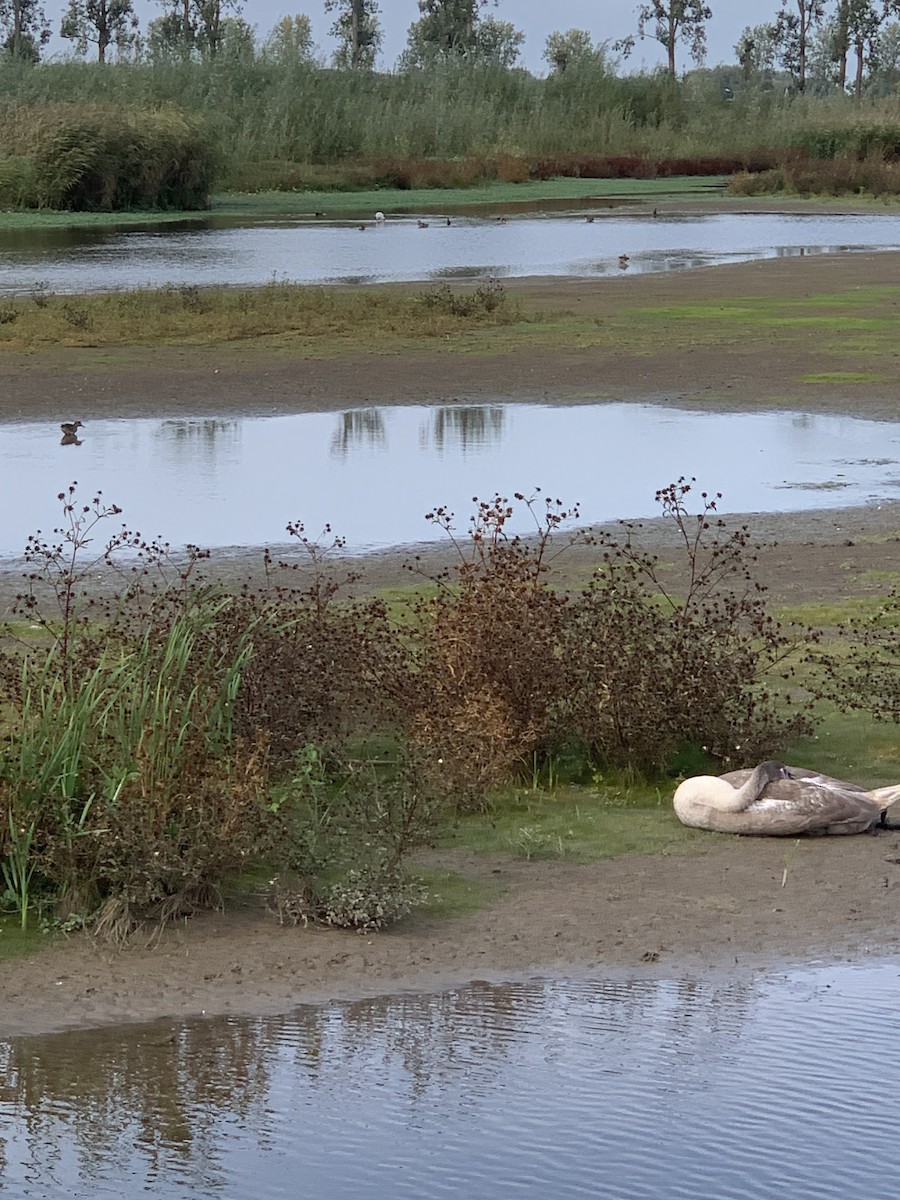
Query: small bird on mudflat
{"points": [[69, 428]]}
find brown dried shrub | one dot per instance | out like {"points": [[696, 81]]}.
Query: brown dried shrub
{"points": [[682, 670], [489, 668]]}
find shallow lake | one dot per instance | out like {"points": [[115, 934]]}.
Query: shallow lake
{"points": [[744, 1087], [309, 251], [373, 473]]}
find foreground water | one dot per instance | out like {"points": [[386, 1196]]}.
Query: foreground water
{"points": [[373, 473], [752, 1086], [319, 251]]}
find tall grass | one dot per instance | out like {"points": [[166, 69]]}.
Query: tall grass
{"points": [[281, 118], [109, 762], [194, 315], [91, 156]]}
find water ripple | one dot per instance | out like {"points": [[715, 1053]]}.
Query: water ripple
{"points": [[738, 1089]]}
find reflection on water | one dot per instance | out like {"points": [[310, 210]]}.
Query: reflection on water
{"points": [[464, 427], [200, 253], [373, 473], [357, 428], [728, 1088]]}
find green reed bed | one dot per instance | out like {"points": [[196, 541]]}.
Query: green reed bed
{"points": [[267, 113], [101, 157], [298, 126]]}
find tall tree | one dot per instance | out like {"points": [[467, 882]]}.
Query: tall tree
{"points": [[24, 28], [674, 21], [755, 50], [358, 31], [446, 29], [101, 23], [793, 28], [825, 56], [886, 60], [193, 25], [864, 21], [569, 49], [841, 40], [290, 41], [212, 23], [497, 42]]}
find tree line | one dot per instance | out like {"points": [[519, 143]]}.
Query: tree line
{"points": [[839, 41]]}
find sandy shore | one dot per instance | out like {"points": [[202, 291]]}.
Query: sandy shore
{"points": [[720, 908]]}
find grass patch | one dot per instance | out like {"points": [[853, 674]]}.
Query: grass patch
{"points": [[16, 942], [332, 318], [851, 746], [250, 206], [769, 314], [577, 824], [831, 614], [843, 377], [847, 323], [453, 895], [25, 220], [398, 200]]}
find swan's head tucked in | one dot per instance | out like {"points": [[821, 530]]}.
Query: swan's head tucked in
{"points": [[778, 801], [710, 791]]}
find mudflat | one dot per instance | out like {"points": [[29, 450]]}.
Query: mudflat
{"points": [[748, 902]]}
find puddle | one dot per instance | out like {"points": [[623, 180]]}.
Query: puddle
{"points": [[374, 473], [743, 1087], [325, 252]]}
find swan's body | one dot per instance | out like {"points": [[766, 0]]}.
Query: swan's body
{"points": [[778, 801], [380, 217]]}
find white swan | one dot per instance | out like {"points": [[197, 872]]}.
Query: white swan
{"points": [[380, 217], [779, 801]]}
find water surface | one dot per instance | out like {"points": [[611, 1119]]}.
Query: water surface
{"points": [[732, 1088], [308, 251], [374, 473]]}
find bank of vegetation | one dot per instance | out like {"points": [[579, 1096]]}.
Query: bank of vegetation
{"points": [[190, 315], [165, 134], [164, 740]]}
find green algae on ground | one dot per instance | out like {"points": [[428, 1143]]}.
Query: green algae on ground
{"points": [[843, 377]]}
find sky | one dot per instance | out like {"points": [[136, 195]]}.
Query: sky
{"points": [[605, 19]]}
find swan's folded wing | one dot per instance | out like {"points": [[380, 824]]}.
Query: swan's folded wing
{"points": [[789, 808], [737, 778]]}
